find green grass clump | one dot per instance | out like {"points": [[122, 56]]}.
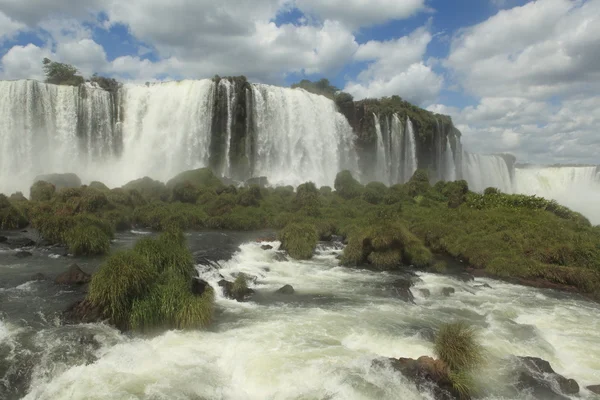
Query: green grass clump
{"points": [[168, 252], [240, 286], [346, 186], [99, 186], [87, 240], [10, 216], [307, 199], [299, 240], [457, 345], [41, 191], [148, 189], [202, 177], [124, 277]]}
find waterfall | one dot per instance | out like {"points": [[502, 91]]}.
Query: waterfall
{"points": [[166, 129], [230, 91], [299, 137], [381, 172], [48, 128], [576, 187], [482, 171], [449, 166], [396, 148], [410, 157]]}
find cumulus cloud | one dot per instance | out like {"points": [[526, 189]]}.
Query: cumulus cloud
{"points": [[358, 13], [8, 27], [396, 67], [23, 62]]}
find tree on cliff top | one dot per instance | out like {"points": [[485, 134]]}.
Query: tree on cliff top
{"points": [[61, 74]]}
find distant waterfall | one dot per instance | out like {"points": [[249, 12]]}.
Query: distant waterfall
{"points": [[299, 137], [396, 149], [47, 128], [482, 171], [410, 154], [449, 163], [382, 172], [166, 129]]}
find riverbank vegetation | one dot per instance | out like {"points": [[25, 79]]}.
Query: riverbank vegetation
{"points": [[526, 238]]}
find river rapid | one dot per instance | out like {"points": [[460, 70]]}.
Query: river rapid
{"points": [[318, 343]]}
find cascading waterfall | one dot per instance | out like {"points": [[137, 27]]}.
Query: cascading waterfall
{"points": [[48, 128], [230, 91], [382, 173], [299, 137], [166, 129], [482, 171], [396, 148], [450, 166], [410, 156], [575, 187]]}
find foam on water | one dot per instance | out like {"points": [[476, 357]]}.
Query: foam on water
{"points": [[320, 342]]}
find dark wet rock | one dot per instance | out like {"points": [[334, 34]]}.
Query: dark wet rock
{"points": [[199, 286], [428, 374], [287, 290], [88, 339], [19, 242], [23, 254], [427, 334], [338, 257], [249, 278], [337, 238], [281, 257], [38, 277], [82, 312], [228, 291], [483, 286], [464, 277], [447, 291], [401, 289], [594, 388], [266, 247], [538, 377], [73, 276], [266, 269], [261, 181], [266, 239], [3, 239], [425, 292]]}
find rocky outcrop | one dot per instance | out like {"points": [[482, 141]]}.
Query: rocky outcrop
{"points": [[425, 292], [401, 289], [447, 291], [60, 180], [73, 276], [23, 254], [231, 292], [3, 239], [537, 376], [266, 247], [286, 290], [82, 312], [199, 286], [594, 388], [428, 374]]}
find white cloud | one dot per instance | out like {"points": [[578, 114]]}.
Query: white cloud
{"points": [[23, 62], [544, 48], [357, 13], [8, 27], [397, 68]]}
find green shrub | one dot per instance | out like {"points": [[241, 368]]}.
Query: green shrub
{"points": [[124, 277], [99, 186], [491, 191], [240, 286], [249, 197], [346, 186], [307, 199], [202, 177], [17, 197], [299, 240], [374, 192], [41, 191], [185, 192], [325, 191], [10, 216], [147, 189], [168, 252], [87, 240], [418, 183], [92, 200]]}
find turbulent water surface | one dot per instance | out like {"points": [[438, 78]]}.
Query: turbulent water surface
{"points": [[316, 344]]}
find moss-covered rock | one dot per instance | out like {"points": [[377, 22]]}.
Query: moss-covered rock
{"points": [[202, 177], [60, 181], [148, 189], [299, 240], [99, 186], [346, 186], [42, 191], [10, 216]]}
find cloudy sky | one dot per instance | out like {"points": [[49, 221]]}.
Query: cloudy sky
{"points": [[517, 76]]}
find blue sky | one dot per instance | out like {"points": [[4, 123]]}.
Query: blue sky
{"points": [[517, 76]]}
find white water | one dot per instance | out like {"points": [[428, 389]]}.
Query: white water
{"points": [[230, 90], [410, 160], [319, 343], [450, 167], [166, 130], [575, 187], [39, 131], [382, 171], [300, 137], [483, 171], [396, 149]]}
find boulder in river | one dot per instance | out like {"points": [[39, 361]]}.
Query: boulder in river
{"points": [[447, 291], [287, 290], [594, 388], [231, 291], [82, 312], [73, 276], [280, 256], [23, 254], [38, 277], [19, 242], [428, 374], [266, 247], [537, 376], [199, 286], [401, 289], [425, 292], [3, 239]]}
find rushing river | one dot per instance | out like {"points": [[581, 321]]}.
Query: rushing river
{"points": [[316, 344]]}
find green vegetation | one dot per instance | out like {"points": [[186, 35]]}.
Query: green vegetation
{"points": [[456, 344], [149, 288], [239, 287], [299, 240], [61, 74], [523, 238]]}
